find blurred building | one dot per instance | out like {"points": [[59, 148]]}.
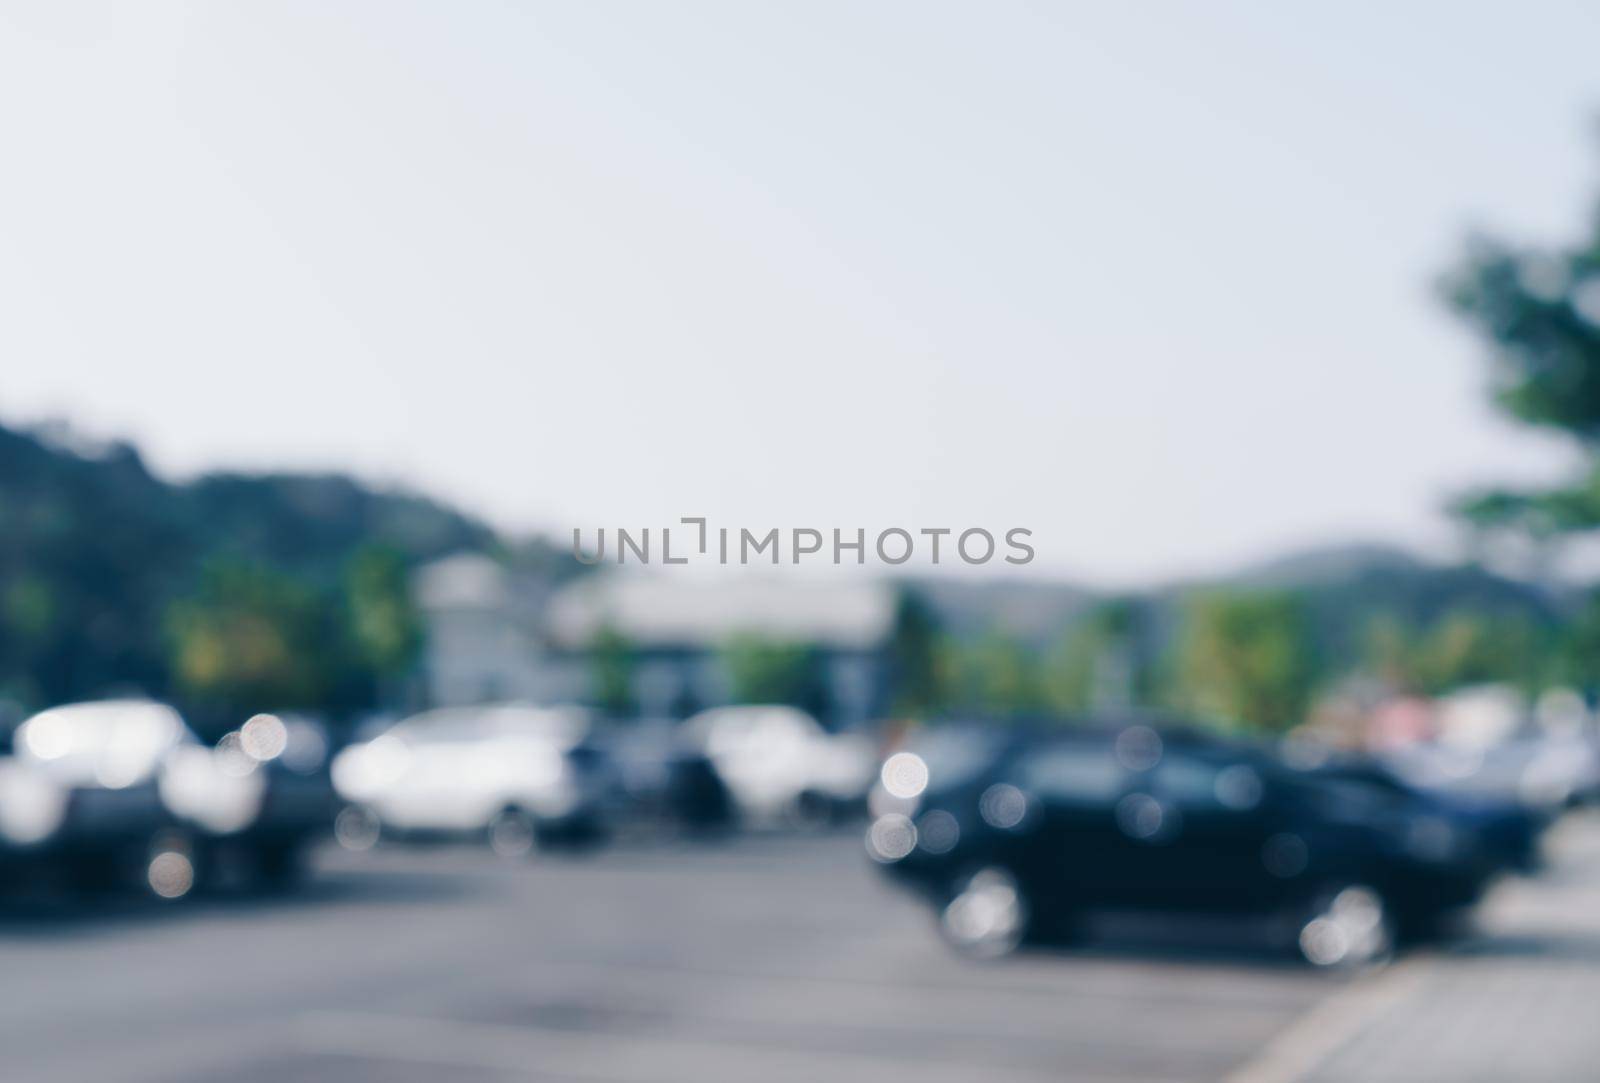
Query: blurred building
{"points": [[484, 638], [496, 634]]}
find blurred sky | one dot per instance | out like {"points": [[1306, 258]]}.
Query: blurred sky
{"points": [[1155, 281]]}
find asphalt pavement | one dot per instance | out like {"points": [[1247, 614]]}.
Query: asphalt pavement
{"points": [[777, 958]]}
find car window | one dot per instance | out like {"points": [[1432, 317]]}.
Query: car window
{"points": [[471, 725], [1369, 777], [1075, 773], [1357, 797], [1189, 782], [954, 757], [1196, 783]]}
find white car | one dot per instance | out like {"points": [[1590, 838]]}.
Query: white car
{"points": [[500, 772], [117, 787], [780, 765], [80, 794], [1545, 772]]}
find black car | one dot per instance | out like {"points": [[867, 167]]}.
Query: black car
{"points": [[649, 777], [121, 792], [1507, 831], [80, 801], [1014, 835], [278, 766]]}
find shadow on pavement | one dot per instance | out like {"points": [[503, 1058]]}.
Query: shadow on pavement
{"points": [[66, 912], [1567, 946]]}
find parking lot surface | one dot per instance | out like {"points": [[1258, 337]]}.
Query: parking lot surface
{"points": [[781, 958]]}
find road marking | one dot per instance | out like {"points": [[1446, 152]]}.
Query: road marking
{"points": [[1306, 1043]]}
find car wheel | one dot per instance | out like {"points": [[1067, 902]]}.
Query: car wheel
{"points": [[1351, 925], [988, 916], [513, 833], [809, 811], [280, 867]]}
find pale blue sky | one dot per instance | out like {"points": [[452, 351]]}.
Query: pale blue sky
{"points": [[1152, 280]]}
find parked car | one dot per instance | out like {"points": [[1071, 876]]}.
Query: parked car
{"points": [[651, 778], [505, 774], [781, 766], [121, 790], [257, 800], [1546, 773], [1012, 835], [80, 800], [1507, 831]]}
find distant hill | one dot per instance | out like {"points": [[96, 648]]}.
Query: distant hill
{"points": [[312, 522], [1346, 587], [282, 589], [1326, 564], [95, 551], [1343, 587]]}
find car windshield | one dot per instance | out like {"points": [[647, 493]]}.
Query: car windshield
{"points": [[1071, 771], [955, 756], [1367, 775], [468, 726]]}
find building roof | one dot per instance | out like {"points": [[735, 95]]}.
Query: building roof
{"points": [[462, 581], [668, 611]]}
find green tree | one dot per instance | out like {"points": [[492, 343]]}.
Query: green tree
{"points": [[113, 581], [1464, 647], [1461, 647], [1576, 657], [1068, 680], [384, 625], [611, 671], [250, 639], [1101, 662], [770, 671], [1389, 652], [1246, 658], [995, 676], [1009, 679], [914, 652], [1538, 312]]}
